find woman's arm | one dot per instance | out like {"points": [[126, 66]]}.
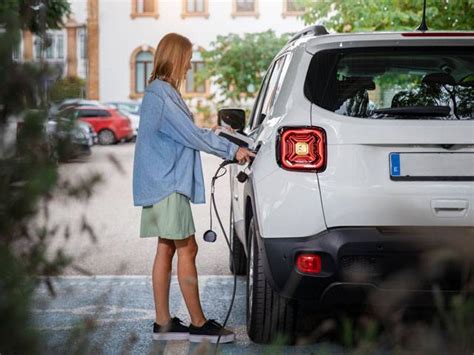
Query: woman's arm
{"points": [[176, 124]]}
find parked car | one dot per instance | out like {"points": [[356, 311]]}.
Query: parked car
{"points": [[131, 110], [73, 103], [10, 132], [70, 138], [128, 106], [365, 162], [110, 125]]}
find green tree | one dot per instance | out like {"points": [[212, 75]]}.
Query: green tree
{"points": [[387, 15], [237, 64]]}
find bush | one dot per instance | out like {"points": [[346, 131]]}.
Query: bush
{"points": [[67, 88]]}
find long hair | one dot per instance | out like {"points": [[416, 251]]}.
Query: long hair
{"points": [[171, 59]]}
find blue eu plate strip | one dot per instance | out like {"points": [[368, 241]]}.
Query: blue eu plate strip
{"points": [[395, 164]]}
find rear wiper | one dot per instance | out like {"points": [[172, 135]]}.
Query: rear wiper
{"points": [[440, 111]]}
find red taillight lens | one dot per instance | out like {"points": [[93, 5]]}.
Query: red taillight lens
{"points": [[302, 149], [309, 263]]}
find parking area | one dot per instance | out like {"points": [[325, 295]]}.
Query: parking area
{"points": [[116, 294], [122, 311], [118, 250]]}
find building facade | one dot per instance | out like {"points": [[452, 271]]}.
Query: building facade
{"points": [[118, 38]]}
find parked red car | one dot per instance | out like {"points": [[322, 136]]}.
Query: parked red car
{"points": [[110, 125]]}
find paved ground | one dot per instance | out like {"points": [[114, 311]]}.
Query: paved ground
{"points": [[110, 212], [124, 312], [123, 304]]}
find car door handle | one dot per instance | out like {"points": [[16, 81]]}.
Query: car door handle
{"points": [[450, 208]]}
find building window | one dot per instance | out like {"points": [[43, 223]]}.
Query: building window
{"points": [[55, 49], [82, 44], [50, 48], [60, 46], [141, 66], [143, 69], [244, 8], [38, 48], [16, 51], [292, 8], [195, 8], [191, 86], [144, 8]]}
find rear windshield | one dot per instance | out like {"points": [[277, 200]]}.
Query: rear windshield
{"points": [[394, 83]]}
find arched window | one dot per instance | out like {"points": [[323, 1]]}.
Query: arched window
{"points": [[141, 66]]}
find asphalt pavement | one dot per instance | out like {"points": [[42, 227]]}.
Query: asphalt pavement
{"points": [[118, 249], [114, 315]]}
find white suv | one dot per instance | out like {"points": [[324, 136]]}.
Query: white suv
{"points": [[365, 160]]}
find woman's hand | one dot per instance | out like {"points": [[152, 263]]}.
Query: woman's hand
{"points": [[213, 128], [244, 155]]}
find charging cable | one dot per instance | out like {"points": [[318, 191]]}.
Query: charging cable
{"points": [[210, 236]]}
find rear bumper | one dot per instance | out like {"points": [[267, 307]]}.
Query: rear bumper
{"points": [[359, 261]]}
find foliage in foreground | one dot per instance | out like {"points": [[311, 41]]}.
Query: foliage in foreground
{"points": [[29, 178]]}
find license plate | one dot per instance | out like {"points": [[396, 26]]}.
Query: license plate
{"points": [[432, 166]]}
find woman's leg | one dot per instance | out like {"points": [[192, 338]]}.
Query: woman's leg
{"points": [[187, 277], [161, 279]]}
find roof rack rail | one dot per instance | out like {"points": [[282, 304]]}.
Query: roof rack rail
{"points": [[316, 30]]}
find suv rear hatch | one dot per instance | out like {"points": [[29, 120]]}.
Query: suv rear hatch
{"points": [[400, 132]]}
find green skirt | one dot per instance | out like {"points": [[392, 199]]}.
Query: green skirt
{"points": [[171, 218]]}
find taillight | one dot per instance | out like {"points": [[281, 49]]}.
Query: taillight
{"points": [[309, 263], [302, 148]]}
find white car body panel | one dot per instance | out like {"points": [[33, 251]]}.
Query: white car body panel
{"points": [[356, 188], [280, 193], [381, 39]]}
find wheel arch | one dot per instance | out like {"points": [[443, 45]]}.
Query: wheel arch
{"points": [[107, 129], [249, 208]]}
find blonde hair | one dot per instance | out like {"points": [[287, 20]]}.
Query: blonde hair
{"points": [[171, 59]]}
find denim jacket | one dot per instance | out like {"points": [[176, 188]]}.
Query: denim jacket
{"points": [[167, 151]]}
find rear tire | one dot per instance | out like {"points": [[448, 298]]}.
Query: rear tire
{"points": [[106, 137], [270, 317], [238, 251]]}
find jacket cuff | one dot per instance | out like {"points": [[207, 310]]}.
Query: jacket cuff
{"points": [[232, 150]]}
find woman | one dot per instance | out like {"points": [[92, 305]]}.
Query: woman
{"points": [[167, 175]]}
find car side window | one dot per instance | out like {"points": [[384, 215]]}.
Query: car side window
{"points": [[102, 113], [267, 98], [273, 88], [87, 113], [68, 113], [258, 103]]}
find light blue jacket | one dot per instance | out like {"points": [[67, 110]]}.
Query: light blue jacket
{"points": [[167, 157]]}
